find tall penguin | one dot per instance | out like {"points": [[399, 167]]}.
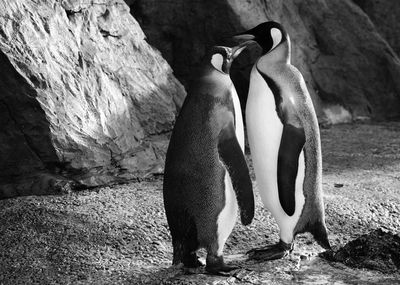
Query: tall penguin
{"points": [[284, 141], [206, 176]]}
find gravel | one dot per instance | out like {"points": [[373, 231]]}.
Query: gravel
{"points": [[119, 234]]}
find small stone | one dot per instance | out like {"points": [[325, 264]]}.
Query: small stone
{"points": [[304, 257]]}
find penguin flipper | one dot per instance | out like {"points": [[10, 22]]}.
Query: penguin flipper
{"points": [[232, 156], [292, 142]]}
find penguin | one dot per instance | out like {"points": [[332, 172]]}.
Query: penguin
{"points": [[206, 178], [284, 142]]}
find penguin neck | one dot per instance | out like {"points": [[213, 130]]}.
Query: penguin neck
{"points": [[279, 55], [210, 70], [210, 74]]}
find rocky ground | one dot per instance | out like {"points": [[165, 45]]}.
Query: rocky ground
{"points": [[119, 235]]}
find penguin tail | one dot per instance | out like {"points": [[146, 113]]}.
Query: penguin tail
{"points": [[320, 233]]}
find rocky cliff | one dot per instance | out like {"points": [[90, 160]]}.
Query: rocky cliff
{"points": [[84, 100], [385, 16], [351, 70]]}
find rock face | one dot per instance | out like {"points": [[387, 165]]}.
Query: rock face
{"points": [[350, 70], [385, 16], [84, 99]]}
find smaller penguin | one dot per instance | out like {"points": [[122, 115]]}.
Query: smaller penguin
{"points": [[206, 176], [284, 141]]}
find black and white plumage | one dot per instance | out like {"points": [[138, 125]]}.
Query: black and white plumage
{"points": [[285, 142], [206, 176]]}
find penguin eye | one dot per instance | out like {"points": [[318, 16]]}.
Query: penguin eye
{"points": [[217, 60], [276, 36]]}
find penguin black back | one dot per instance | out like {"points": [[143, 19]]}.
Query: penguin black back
{"points": [[205, 168]]}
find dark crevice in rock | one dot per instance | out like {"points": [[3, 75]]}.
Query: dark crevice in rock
{"points": [[28, 140], [166, 131], [28, 161], [106, 34], [19, 98], [71, 13]]}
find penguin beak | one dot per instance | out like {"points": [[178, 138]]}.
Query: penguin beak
{"points": [[244, 37], [239, 48]]}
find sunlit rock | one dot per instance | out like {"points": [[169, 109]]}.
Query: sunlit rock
{"points": [[84, 99]]}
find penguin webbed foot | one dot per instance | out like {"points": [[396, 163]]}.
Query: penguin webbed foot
{"points": [[216, 266], [224, 270], [271, 252]]}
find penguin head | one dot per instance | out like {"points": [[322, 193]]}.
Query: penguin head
{"points": [[222, 57], [268, 35]]}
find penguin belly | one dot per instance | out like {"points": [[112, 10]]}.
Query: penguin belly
{"points": [[227, 217], [238, 118], [264, 130]]}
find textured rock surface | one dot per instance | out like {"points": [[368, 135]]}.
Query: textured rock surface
{"points": [[83, 98], [385, 16], [351, 71]]}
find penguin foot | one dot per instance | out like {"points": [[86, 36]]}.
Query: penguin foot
{"points": [[271, 252], [224, 270], [192, 265], [192, 261], [216, 266]]}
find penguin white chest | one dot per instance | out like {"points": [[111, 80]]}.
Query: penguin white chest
{"points": [[238, 118], [264, 130], [227, 217]]}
